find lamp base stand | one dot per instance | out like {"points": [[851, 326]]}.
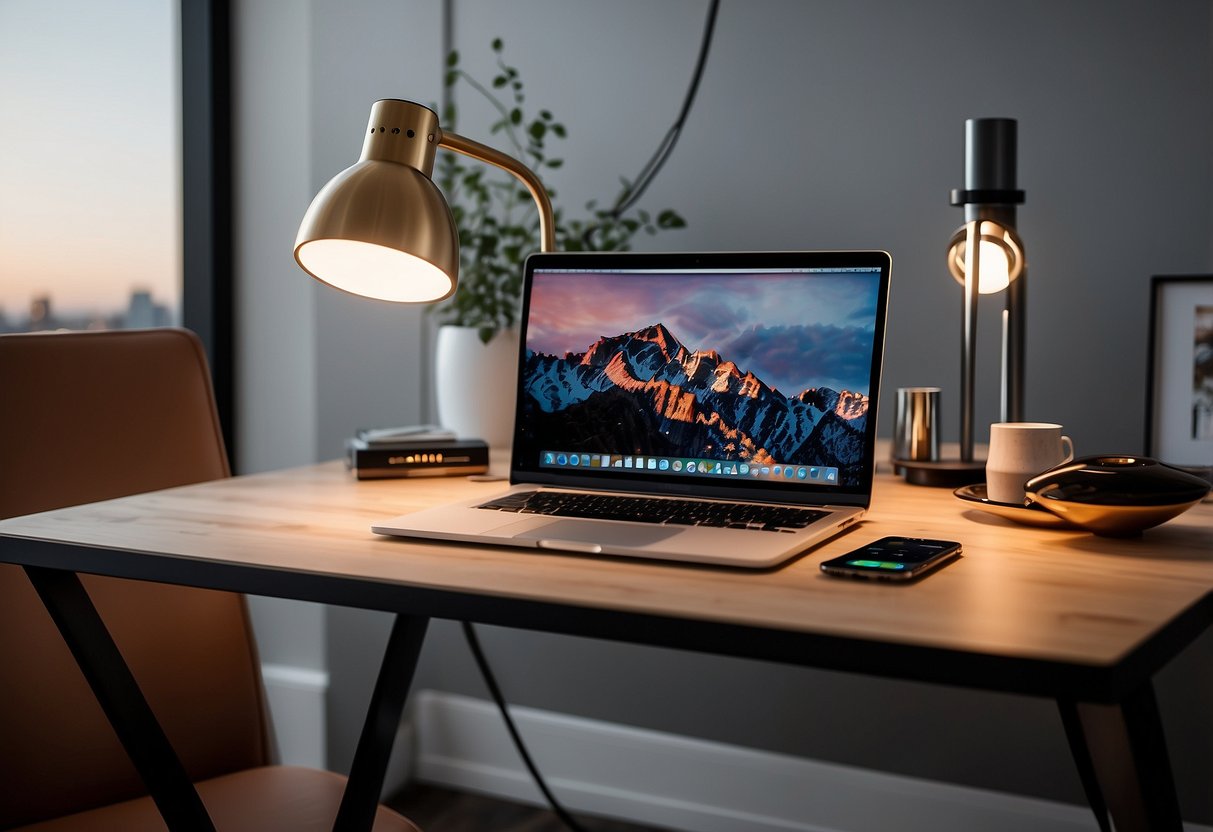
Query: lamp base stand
{"points": [[941, 473]]}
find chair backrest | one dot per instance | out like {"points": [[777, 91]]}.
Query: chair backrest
{"points": [[92, 416]]}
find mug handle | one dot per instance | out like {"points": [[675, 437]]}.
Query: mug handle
{"points": [[1069, 446]]}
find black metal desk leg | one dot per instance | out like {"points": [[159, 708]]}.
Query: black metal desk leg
{"points": [[1126, 755], [120, 697], [361, 798], [1082, 759]]}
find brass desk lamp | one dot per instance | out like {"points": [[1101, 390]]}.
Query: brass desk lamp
{"points": [[381, 228]]}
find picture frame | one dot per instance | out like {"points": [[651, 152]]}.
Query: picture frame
{"points": [[1179, 387]]}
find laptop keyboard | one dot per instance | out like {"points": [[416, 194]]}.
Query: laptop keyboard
{"points": [[648, 510]]}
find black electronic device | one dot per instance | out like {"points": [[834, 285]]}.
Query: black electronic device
{"points": [[373, 461], [893, 559]]}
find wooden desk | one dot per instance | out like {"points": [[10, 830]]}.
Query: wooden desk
{"points": [[1083, 620]]}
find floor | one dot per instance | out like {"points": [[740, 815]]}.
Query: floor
{"points": [[437, 809]]}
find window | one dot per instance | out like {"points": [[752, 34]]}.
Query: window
{"points": [[115, 170], [90, 165]]}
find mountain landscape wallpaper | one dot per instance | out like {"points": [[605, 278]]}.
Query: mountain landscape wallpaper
{"points": [[766, 369]]}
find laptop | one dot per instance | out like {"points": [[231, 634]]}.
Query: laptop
{"points": [[714, 408]]}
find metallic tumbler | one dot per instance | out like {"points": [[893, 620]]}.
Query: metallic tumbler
{"points": [[916, 424]]}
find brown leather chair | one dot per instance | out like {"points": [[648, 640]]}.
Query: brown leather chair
{"points": [[91, 416]]}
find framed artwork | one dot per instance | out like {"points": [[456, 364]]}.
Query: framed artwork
{"points": [[1179, 395]]}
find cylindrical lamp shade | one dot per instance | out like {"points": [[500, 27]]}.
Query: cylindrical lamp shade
{"points": [[381, 230], [990, 154]]}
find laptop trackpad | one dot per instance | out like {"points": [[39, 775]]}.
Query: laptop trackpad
{"points": [[582, 536]]}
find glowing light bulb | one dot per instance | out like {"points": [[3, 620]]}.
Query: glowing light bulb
{"points": [[1001, 258], [375, 271], [994, 272]]}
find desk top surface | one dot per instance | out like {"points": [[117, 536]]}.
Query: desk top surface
{"points": [[1044, 595]]}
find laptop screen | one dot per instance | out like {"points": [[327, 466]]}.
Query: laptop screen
{"points": [[732, 372]]}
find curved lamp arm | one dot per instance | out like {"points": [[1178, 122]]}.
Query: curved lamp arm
{"points": [[491, 156]]}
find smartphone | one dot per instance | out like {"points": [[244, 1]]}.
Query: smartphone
{"points": [[893, 559]]}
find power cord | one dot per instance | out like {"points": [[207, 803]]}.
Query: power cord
{"points": [[469, 632], [626, 200], [643, 179]]}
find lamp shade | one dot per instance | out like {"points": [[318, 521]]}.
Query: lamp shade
{"points": [[381, 228]]}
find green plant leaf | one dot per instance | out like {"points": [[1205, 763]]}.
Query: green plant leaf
{"points": [[494, 215], [670, 219]]}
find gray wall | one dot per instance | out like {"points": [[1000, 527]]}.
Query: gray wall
{"points": [[275, 325], [818, 125]]}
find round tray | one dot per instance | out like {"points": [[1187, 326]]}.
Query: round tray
{"points": [[1026, 514]]}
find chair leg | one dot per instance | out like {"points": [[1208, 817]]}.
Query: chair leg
{"points": [[361, 798], [119, 695]]}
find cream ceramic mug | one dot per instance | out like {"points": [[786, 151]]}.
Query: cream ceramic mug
{"points": [[1020, 451]]}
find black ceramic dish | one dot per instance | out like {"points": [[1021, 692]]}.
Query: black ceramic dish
{"points": [[1116, 495]]}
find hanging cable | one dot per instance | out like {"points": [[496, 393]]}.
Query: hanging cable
{"points": [[490, 680], [633, 192]]}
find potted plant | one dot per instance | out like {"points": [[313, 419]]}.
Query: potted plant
{"points": [[498, 227]]}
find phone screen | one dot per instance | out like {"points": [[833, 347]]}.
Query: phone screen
{"points": [[893, 558]]}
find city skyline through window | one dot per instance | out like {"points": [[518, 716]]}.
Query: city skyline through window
{"points": [[90, 165]]}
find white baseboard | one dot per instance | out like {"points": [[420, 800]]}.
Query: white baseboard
{"points": [[296, 697], [689, 784]]}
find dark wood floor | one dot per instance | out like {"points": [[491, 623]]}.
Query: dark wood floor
{"points": [[437, 809]]}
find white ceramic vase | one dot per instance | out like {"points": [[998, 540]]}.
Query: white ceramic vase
{"points": [[475, 384]]}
